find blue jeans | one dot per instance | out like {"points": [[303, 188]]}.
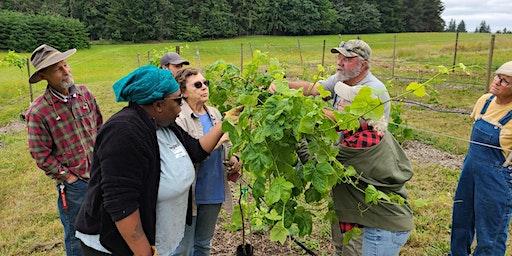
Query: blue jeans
{"points": [[75, 194], [198, 236], [381, 242]]}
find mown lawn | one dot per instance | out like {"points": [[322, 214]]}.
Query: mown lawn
{"points": [[30, 224]]}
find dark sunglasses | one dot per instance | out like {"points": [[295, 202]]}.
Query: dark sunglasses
{"points": [[178, 100], [199, 84]]}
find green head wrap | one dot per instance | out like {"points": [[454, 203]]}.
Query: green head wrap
{"points": [[145, 85]]}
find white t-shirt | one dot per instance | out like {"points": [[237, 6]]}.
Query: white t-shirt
{"points": [[377, 86], [176, 176]]}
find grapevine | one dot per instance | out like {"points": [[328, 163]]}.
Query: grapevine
{"points": [[268, 136]]}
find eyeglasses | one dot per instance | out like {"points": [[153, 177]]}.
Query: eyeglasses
{"points": [[199, 84], [502, 81], [178, 100]]}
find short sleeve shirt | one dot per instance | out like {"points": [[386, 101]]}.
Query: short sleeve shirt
{"points": [[493, 114], [176, 177], [370, 80]]}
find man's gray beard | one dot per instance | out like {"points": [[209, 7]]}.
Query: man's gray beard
{"points": [[347, 75], [67, 84]]}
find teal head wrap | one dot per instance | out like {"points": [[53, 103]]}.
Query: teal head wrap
{"points": [[145, 85]]}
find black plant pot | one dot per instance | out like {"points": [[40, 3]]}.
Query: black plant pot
{"points": [[245, 250]]}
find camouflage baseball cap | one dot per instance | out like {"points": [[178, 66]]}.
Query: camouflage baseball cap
{"points": [[353, 48]]}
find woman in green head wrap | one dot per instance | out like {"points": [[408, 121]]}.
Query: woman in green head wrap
{"points": [[142, 169]]}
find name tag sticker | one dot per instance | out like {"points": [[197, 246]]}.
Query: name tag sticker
{"points": [[178, 150]]}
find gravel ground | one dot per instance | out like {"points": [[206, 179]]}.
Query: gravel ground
{"points": [[426, 155]]}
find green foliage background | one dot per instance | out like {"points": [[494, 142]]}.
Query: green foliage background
{"points": [[24, 32], [191, 20]]}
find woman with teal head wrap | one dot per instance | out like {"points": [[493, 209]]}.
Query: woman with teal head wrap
{"points": [[142, 169], [145, 85]]}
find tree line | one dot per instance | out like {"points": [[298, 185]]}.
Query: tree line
{"points": [[483, 27], [24, 32], [141, 20]]}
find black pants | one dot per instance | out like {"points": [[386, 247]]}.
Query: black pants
{"points": [[88, 251]]}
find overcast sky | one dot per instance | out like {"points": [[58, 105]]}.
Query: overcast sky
{"points": [[497, 13]]}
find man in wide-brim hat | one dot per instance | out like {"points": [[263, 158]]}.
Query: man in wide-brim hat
{"points": [[62, 125]]}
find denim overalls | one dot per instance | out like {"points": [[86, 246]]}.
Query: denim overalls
{"points": [[483, 200]]}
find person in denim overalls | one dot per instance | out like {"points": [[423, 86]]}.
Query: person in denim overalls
{"points": [[483, 199]]}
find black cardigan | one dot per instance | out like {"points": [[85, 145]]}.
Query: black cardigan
{"points": [[125, 176]]}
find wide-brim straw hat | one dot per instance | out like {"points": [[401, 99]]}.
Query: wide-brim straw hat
{"points": [[45, 56]]}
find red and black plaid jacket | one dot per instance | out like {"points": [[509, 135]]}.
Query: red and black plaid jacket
{"points": [[61, 134]]}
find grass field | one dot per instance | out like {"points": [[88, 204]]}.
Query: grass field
{"points": [[30, 224]]}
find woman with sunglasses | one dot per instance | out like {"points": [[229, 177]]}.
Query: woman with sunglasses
{"points": [[483, 199], [210, 188]]}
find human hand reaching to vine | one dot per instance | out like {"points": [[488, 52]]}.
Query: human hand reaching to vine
{"points": [[233, 114], [272, 88]]}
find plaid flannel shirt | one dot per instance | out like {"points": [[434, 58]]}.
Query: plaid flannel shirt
{"points": [[61, 133], [364, 137]]}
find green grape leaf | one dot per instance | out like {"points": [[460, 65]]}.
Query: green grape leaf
{"points": [[462, 66], [258, 187], [320, 69], [236, 220], [395, 198], [304, 221], [289, 173], [293, 230], [312, 195], [249, 100], [350, 171], [278, 233], [273, 215], [351, 234], [321, 176], [257, 223], [322, 91], [366, 105], [443, 70], [307, 124], [256, 158], [346, 121], [280, 189], [372, 195], [416, 88], [308, 169], [281, 86]]}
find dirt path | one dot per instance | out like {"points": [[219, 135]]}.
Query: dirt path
{"points": [[12, 127], [423, 154]]}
